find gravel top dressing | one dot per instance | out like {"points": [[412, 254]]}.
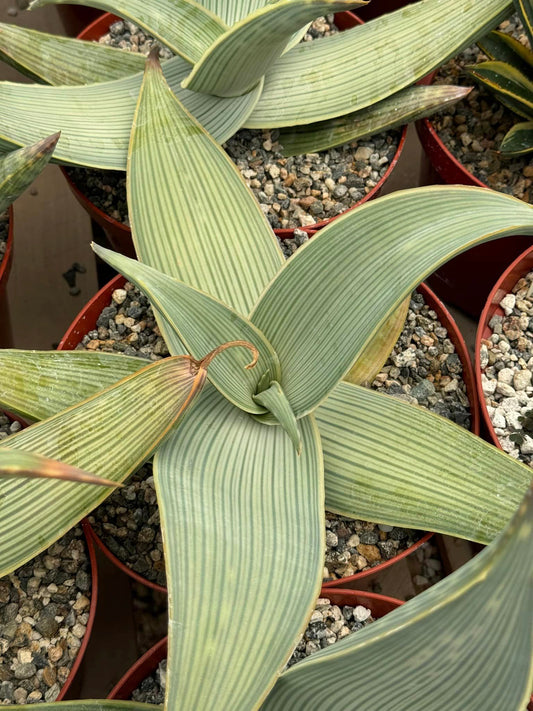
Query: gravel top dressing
{"points": [[293, 192], [328, 624], [423, 369], [44, 611], [4, 230], [473, 128], [507, 364]]}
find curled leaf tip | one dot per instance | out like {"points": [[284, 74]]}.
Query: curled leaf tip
{"points": [[231, 344]]}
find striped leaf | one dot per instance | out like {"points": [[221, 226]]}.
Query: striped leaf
{"points": [[95, 120], [83, 436], [39, 384], [475, 624], [519, 140], [187, 28], [51, 59], [236, 501], [506, 48], [273, 399], [199, 223], [378, 59], [85, 705], [379, 348], [407, 105], [345, 282], [395, 463], [525, 10], [15, 464], [254, 44], [231, 11], [19, 169], [510, 86], [201, 323]]}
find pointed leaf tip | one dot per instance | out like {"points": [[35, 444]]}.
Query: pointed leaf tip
{"points": [[152, 61], [48, 144]]}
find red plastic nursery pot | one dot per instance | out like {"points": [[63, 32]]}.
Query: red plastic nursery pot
{"points": [[380, 7], [120, 235], [86, 321], [5, 268], [519, 268], [379, 605], [466, 280]]}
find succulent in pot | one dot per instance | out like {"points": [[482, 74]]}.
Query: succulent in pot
{"points": [[262, 452]]}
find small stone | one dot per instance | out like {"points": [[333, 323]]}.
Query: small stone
{"points": [[24, 671], [522, 379], [508, 303], [371, 553], [363, 154], [361, 613], [505, 390], [119, 296]]}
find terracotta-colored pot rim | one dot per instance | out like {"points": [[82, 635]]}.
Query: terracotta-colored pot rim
{"points": [[519, 268], [5, 264], [92, 613], [149, 661], [96, 29]]}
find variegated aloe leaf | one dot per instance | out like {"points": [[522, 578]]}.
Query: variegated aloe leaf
{"points": [[200, 224], [56, 60], [518, 140], [407, 105], [379, 59], [395, 463], [139, 410], [506, 48], [232, 11], [254, 44], [473, 622], [525, 10], [339, 299], [25, 465], [20, 168], [39, 384], [95, 120], [184, 26], [511, 87], [256, 511], [201, 322]]}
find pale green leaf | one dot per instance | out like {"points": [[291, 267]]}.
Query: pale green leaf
{"points": [[199, 223], [274, 400], [394, 463], [110, 434], [15, 464], [353, 69], [19, 169], [184, 26], [525, 10], [95, 120], [202, 323], [231, 11], [253, 45], [407, 105], [475, 625], [56, 60], [518, 140], [246, 515], [509, 85], [345, 282], [39, 384]]}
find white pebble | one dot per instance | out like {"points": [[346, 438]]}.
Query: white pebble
{"points": [[361, 613], [521, 379], [505, 390], [506, 375], [508, 303]]}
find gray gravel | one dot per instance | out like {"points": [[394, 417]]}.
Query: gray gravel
{"points": [[44, 611], [293, 192], [4, 229], [8, 426], [507, 367], [473, 128], [328, 624]]}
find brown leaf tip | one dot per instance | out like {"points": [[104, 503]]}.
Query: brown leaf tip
{"points": [[48, 144], [152, 61], [204, 363]]}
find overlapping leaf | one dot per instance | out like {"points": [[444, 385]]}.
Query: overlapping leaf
{"points": [[201, 323], [20, 168], [39, 384], [408, 105], [56, 60], [378, 59], [506, 48], [253, 44], [100, 435], [255, 510], [473, 622], [184, 26], [339, 299], [395, 463], [511, 87], [518, 140], [525, 10], [231, 11]]}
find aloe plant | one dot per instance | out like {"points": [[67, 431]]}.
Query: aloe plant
{"points": [[262, 452], [238, 64], [509, 75]]}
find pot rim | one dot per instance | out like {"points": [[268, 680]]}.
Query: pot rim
{"points": [[521, 266], [5, 264]]}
